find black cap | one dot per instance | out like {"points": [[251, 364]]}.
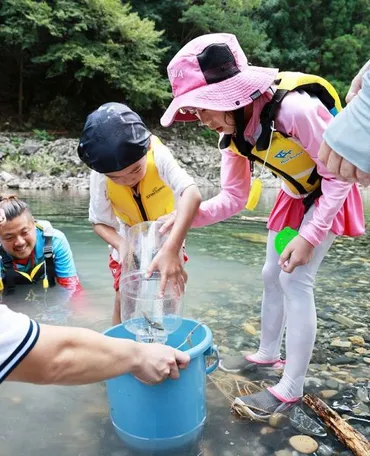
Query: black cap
{"points": [[114, 137]]}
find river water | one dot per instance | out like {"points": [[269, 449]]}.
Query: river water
{"points": [[224, 291]]}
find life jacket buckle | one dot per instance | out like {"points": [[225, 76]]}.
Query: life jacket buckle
{"points": [[48, 251]]}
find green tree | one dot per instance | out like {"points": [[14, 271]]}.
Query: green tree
{"points": [[65, 57], [166, 15], [229, 16], [183, 20], [22, 21], [82, 53], [105, 41], [326, 37]]}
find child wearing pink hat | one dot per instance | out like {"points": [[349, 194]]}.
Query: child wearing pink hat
{"points": [[281, 128]]}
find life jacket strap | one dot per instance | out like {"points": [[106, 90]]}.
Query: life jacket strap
{"points": [[9, 274], [49, 260], [268, 115]]}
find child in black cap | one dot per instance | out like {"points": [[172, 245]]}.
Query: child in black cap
{"points": [[134, 179]]}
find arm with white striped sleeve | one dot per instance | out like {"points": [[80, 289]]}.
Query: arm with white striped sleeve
{"points": [[18, 335], [56, 355]]}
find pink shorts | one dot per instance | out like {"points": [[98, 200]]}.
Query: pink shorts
{"points": [[115, 269]]}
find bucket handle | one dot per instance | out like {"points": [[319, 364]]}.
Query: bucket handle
{"points": [[212, 351]]}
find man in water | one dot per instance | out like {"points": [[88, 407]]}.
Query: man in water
{"points": [[32, 251]]}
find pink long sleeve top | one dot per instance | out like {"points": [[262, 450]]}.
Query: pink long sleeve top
{"points": [[339, 209]]}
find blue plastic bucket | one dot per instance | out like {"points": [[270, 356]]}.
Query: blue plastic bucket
{"points": [[169, 415]]}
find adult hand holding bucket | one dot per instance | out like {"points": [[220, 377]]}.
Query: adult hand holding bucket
{"points": [[157, 362]]}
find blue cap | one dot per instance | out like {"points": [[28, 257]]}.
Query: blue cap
{"points": [[114, 137]]}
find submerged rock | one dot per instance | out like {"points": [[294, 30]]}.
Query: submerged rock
{"points": [[304, 444], [346, 401], [283, 453], [325, 450], [341, 343], [363, 394], [276, 441], [359, 419], [327, 394], [278, 420], [267, 430], [357, 340], [304, 424], [250, 329], [332, 384], [343, 360], [346, 321], [361, 409], [252, 237]]}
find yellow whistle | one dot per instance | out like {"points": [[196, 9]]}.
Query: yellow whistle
{"points": [[1, 284], [254, 195], [45, 283]]}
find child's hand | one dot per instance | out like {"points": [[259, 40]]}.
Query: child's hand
{"points": [[169, 220], [168, 263], [297, 253]]}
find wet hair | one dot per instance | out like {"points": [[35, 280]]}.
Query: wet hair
{"points": [[13, 207]]}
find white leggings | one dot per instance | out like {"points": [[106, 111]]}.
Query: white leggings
{"points": [[288, 302]]}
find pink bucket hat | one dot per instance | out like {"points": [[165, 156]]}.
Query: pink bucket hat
{"points": [[212, 72]]}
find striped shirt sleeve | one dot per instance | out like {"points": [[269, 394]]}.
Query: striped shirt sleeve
{"points": [[18, 335]]}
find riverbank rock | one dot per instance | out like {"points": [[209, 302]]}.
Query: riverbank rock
{"points": [[32, 162]]}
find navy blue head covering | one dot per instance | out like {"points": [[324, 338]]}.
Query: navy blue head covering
{"points": [[114, 137]]}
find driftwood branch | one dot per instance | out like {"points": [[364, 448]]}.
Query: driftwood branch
{"points": [[344, 432]]}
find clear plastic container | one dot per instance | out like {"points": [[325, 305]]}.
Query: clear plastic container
{"points": [[143, 243], [143, 312]]}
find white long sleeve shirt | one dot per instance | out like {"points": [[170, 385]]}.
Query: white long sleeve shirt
{"points": [[100, 208]]}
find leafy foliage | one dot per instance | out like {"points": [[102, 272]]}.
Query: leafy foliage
{"points": [[62, 58], [42, 135], [231, 16], [89, 49], [325, 37]]}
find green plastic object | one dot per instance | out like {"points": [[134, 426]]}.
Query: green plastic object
{"points": [[283, 238]]}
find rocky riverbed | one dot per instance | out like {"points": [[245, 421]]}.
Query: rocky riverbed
{"points": [[339, 372]]}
